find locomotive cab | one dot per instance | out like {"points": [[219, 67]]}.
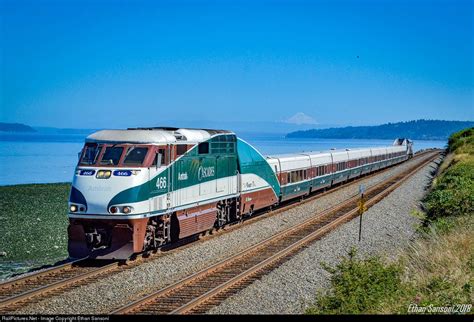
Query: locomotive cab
{"points": [[103, 171], [106, 168]]}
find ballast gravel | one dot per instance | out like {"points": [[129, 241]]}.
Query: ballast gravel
{"points": [[288, 289]]}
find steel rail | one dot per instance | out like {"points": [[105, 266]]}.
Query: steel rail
{"points": [[12, 302], [380, 190], [27, 277]]}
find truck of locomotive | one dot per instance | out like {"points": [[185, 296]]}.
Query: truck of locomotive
{"points": [[135, 190]]}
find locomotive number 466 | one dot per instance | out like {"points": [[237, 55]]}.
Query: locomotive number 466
{"points": [[161, 183]]}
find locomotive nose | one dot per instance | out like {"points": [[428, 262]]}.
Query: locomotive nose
{"points": [[93, 190]]}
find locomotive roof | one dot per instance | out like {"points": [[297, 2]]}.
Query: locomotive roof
{"points": [[162, 135]]}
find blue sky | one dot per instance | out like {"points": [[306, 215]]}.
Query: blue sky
{"points": [[87, 64]]}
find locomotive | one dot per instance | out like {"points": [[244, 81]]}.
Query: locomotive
{"points": [[135, 190]]}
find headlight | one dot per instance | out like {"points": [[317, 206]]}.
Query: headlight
{"points": [[120, 210], [103, 174], [77, 208]]}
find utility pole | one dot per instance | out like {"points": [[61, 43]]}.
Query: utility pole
{"points": [[362, 208]]}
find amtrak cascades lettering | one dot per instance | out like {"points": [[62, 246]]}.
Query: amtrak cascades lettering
{"points": [[205, 172]]}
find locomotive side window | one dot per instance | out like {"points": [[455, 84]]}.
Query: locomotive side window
{"points": [[181, 149], [159, 158], [111, 156], [91, 152], [135, 156], [203, 148]]}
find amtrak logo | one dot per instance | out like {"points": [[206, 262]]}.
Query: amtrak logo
{"points": [[182, 176], [99, 188], [205, 172]]}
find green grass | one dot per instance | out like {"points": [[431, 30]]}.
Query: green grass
{"points": [[33, 224], [436, 269]]}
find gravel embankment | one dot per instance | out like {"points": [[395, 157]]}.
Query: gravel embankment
{"points": [[387, 227], [111, 292]]}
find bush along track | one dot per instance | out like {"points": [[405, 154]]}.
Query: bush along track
{"points": [[434, 274]]}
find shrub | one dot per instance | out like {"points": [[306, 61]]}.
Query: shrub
{"points": [[453, 194], [359, 286], [462, 141]]}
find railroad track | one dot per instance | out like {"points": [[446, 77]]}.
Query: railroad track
{"points": [[52, 281], [56, 280], [207, 288]]}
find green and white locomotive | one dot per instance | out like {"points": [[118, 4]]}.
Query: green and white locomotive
{"points": [[137, 189]]}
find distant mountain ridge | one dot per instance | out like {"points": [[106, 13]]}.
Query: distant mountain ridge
{"points": [[15, 127], [55, 130], [417, 130], [269, 127]]}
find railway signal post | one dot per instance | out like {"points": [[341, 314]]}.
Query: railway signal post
{"points": [[362, 208]]}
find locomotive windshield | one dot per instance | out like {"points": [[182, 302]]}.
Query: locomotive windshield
{"points": [[135, 156], [112, 155], [91, 152]]}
